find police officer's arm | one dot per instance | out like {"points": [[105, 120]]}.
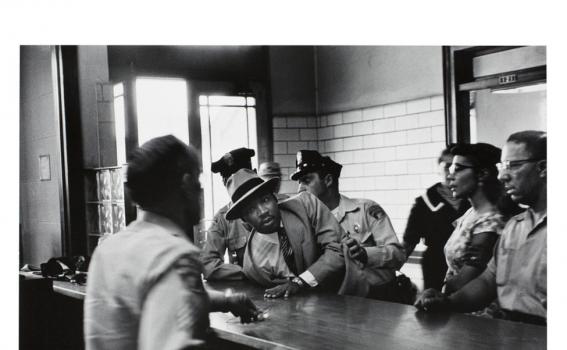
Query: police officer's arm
{"points": [[175, 310], [212, 255], [329, 234], [388, 252]]}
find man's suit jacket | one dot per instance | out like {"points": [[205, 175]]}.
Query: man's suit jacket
{"points": [[314, 235]]}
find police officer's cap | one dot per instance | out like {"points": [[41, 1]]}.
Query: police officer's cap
{"points": [[308, 161], [233, 161]]}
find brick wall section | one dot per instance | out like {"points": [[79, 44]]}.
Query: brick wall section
{"points": [[388, 152], [292, 134]]}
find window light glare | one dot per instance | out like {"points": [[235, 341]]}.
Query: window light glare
{"points": [[162, 108], [118, 89], [227, 101], [250, 101], [203, 100]]}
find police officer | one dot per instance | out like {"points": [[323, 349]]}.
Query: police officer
{"points": [[226, 234], [370, 236], [272, 170]]}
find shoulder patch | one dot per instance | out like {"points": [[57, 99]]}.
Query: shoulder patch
{"points": [[376, 211], [189, 270]]}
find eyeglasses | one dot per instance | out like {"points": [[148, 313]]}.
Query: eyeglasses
{"points": [[456, 167], [513, 164]]}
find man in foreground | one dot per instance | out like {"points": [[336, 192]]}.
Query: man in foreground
{"points": [[145, 289], [517, 274]]}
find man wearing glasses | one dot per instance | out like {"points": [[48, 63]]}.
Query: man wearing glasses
{"points": [[517, 274]]}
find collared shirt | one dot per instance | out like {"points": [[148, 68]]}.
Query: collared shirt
{"points": [[145, 289], [224, 235], [376, 235], [268, 258], [518, 269]]}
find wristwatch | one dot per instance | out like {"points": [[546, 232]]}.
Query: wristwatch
{"points": [[299, 282]]}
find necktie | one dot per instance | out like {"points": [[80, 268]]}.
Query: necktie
{"points": [[286, 250]]}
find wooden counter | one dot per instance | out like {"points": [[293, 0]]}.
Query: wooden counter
{"points": [[326, 321], [315, 321]]}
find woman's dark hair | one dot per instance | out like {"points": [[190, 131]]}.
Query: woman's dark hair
{"points": [[156, 168], [445, 153], [485, 156]]}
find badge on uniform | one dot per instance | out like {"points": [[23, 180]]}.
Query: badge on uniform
{"points": [[356, 228]]}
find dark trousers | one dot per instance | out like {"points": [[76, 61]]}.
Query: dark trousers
{"points": [[399, 290], [434, 268]]}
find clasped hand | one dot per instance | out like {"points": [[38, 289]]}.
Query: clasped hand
{"points": [[355, 250], [432, 300]]}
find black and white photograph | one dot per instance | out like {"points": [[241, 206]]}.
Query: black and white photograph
{"points": [[348, 191]]}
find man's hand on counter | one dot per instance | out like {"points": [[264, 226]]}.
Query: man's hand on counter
{"points": [[292, 286], [241, 306]]}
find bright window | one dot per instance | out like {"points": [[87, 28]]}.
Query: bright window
{"points": [[119, 124], [227, 123], [162, 108]]}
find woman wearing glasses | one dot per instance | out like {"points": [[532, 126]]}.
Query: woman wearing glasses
{"points": [[473, 176]]}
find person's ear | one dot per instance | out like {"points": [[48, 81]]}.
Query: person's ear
{"points": [[482, 175], [328, 180], [542, 168], [185, 181], [189, 182]]}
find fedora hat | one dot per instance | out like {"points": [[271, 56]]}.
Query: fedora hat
{"points": [[241, 186]]}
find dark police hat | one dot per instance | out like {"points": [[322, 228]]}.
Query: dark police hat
{"points": [[233, 161], [311, 161]]}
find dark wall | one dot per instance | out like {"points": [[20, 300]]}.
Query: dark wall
{"points": [[196, 62], [292, 74]]}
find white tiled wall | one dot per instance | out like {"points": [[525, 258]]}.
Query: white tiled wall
{"points": [[388, 152], [292, 134]]}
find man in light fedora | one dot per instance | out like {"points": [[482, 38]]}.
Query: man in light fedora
{"points": [[294, 244]]}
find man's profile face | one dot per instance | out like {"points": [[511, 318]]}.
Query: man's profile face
{"points": [[443, 169], [262, 213], [522, 182], [312, 183], [192, 196]]}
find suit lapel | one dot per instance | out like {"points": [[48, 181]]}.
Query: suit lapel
{"points": [[294, 231]]}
